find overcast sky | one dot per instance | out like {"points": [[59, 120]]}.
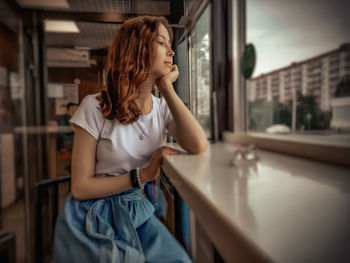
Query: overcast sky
{"points": [[286, 31]]}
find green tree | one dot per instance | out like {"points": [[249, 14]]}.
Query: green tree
{"points": [[262, 114], [309, 114], [282, 113]]}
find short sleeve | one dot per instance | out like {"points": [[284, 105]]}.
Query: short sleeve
{"points": [[89, 116], [166, 113]]}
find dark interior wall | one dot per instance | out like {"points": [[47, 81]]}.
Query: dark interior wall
{"points": [[8, 60], [9, 48], [88, 82]]}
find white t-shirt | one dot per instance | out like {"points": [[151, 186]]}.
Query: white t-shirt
{"points": [[119, 147]]}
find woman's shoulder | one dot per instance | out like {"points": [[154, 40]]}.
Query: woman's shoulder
{"points": [[160, 102], [89, 116], [91, 102], [90, 105], [163, 111], [91, 99]]}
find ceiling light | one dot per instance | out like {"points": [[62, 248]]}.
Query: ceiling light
{"points": [[59, 26]]}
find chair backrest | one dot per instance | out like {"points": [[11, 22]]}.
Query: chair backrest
{"points": [[49, 194], [7, 247]]}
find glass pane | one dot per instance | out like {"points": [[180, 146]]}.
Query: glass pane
{"points": [[200, 71], [12, 210], [181, 83], [301, 82]]}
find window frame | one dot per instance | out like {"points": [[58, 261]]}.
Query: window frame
{"points": [[193, 84], [238, 134], [189, 22]]}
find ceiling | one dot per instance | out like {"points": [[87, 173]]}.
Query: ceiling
{"points": [[94, 35], [156, 7]]}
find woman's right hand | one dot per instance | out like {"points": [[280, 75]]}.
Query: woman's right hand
{"points": [[151, 172]]}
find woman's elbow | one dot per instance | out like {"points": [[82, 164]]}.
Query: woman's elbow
{"points": [[77, 192], [203, 146], [200, 147]]}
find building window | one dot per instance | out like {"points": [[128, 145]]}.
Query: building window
{"points": [[305, 73]]}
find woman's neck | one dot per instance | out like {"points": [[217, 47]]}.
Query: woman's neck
{"points": [[144, 100]]}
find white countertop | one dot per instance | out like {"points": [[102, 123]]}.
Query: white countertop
{"points": [[280, 208]]}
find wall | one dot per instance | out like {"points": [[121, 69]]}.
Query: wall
{"points": [[8, 62], [88, 82]]}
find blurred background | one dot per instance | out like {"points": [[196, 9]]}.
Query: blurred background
{"points": [[53, 53]]}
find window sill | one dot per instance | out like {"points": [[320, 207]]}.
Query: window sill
{"points": [[267, 210], [335, 152]]}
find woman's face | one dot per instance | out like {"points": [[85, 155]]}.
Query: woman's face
{"points": [[162, 53]]}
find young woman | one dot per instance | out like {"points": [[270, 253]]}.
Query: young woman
{"points": [[118, 141]]}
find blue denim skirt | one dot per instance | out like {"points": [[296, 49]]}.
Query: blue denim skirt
{"points": [[118, 228]]}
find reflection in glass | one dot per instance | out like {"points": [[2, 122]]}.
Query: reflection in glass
{"points": [[181, 83], [12, 201], [200, 71], [302, 76]]}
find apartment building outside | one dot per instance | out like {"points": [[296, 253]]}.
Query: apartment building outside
{"points": [[317, 76]]}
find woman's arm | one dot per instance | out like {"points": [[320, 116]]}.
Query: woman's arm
{"points": [[85, 186], [184, 127]]}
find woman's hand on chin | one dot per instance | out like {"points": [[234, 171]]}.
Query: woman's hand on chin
{"points": [[169, 78]]}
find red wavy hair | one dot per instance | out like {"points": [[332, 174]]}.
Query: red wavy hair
{"points": [[128, 65]]}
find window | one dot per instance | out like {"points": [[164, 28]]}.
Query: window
{"points": [[181, 84], [200, 71], [302, 75]]}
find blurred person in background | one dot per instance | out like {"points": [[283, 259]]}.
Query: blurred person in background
{"points": [[65, 140], [70, 110]]}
